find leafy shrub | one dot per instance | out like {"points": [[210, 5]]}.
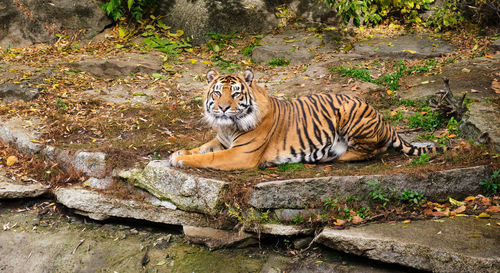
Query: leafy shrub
{"points": [[137, 9]]}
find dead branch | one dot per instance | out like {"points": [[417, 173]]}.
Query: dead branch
{"points": [[447, 104]]}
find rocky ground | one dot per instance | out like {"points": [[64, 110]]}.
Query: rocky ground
{"points": [[89, 124]]}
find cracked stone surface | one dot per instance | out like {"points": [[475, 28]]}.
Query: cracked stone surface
{"points": [[460, 244]]}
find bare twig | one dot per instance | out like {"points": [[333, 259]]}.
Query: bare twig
{"points": [[77, 246]]}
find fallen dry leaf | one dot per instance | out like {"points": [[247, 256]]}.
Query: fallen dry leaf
{"points": [[11, 160], [459, 210], [493, 209], [495, 85], [357, 220], [339, 222], [483, 215]]}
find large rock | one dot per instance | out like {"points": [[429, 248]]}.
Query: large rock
{"points": [[21, 134], [482, 118], [197, 18], [100, 206], [25, 22], [11, 92], [188, 192], [436, 186], [119, 66], [450, 245]]}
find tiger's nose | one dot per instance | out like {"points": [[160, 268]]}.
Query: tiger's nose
{"points": [[224, 107]]}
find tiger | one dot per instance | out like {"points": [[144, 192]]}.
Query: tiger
{"points": [[257, 130]]}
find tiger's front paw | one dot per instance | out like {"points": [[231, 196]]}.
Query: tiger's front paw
{"points": [[174, 159]]}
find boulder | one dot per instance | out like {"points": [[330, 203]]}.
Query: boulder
{"points": [[197, 18], [188, 192], [26, 22], [91, 163]]}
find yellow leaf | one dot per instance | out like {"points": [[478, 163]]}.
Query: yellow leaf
{"points": [[498, 223], [483, 215], [409, 51], [424, 82], [455, 202], [206, 62], [470, 198], [193, 61], [465, 70], [11, 160], [461, 215], [389, 92], [406, 221]]}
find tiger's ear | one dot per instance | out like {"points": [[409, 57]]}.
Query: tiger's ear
{"points": [[248, 76], [211, 75]]}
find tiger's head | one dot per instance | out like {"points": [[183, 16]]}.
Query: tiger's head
{"points": [[230, 101]]}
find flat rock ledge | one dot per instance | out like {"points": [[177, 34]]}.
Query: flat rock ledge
{"points": [[11, 190], [436, 186], [100, 207], [461, 244]]}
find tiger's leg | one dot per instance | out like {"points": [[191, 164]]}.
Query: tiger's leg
{"points": [[352, 155], [230, 159], [211, 146]]}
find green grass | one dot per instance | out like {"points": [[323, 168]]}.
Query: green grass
{"points": [[281, 61], [421, 160]]}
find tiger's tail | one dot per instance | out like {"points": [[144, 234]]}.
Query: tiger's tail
{"points": [[401, 145]]}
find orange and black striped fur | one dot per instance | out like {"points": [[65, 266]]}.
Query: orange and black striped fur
{"points": [[257, 130]]}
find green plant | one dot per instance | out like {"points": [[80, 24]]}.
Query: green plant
{"points": [[490, 186], [138, 9], [426, 119], [166, 45], [156, 156], [412, 197], [291, 167], [248, 218], [298, 219], [453, 126], [330, 204], [421, 160], [395, 119], [247, 51], [226, 66], [220, 41], [391, 79], [378, 193], [281, 61], [61, 104]]}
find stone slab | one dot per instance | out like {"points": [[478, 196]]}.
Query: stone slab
{"points": [[407, 46], [100, 206], [119, 66], [10, 190], [436, 186], [461, 244], [188, 192], [216, 238]]}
